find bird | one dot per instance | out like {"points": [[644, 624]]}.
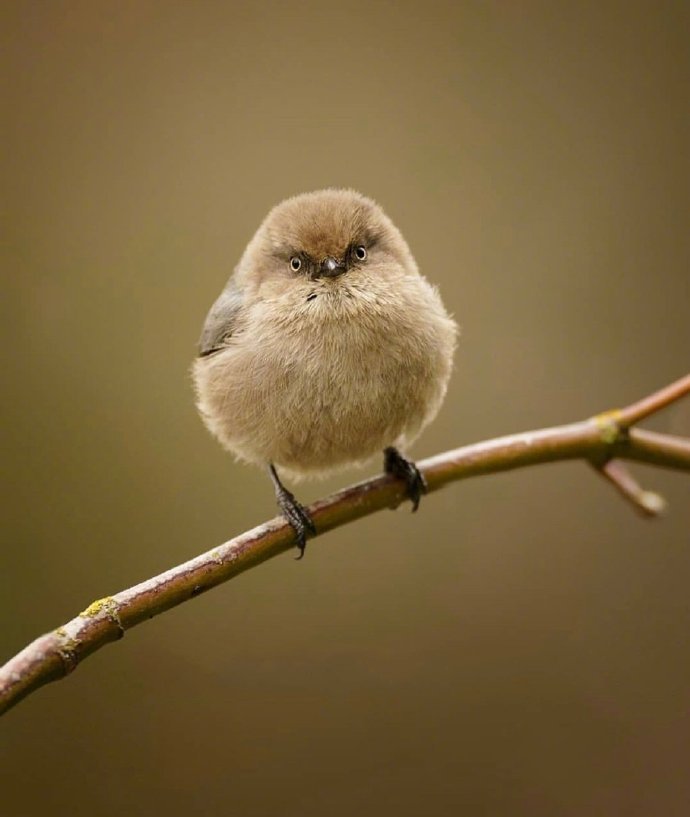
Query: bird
{"points": [[325, 347]]}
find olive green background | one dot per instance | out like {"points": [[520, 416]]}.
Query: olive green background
{"points": [[521, 646]]}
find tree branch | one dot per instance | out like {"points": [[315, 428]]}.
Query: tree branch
{"points": [[602, 441]]}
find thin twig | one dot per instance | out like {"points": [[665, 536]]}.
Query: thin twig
{"points": [[663, 450], [598, 441], [654, 402], [648, 503]]}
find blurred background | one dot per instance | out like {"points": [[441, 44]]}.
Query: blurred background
{"points": [[522, 645]]}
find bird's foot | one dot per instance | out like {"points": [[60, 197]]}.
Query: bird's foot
{"points": [[298, 517], [397, 466], [295, 513]]}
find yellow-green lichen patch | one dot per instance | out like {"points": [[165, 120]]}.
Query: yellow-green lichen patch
{"points": [[609, 426], [67, 649], [107, 605], [69, 645]]}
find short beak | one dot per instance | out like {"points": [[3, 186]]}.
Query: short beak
{"points": [[331, 267]]}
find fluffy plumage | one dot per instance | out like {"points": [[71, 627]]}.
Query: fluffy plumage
{"points": [[315, 372]]}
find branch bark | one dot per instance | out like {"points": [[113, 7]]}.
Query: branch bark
{"points": [[602, 441]]}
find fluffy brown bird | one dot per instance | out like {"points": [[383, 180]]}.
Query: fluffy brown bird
{"points": [[325, 347]]}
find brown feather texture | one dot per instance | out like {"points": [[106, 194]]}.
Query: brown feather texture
{"points": [[316, 372]]}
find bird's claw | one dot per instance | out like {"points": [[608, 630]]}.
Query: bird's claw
{"points": [[295, 513], [299, 519], [398, 466]]}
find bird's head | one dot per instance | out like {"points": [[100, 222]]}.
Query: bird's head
{"points": [[329, 239]]}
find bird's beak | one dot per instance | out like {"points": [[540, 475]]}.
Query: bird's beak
{"points": [[331, 267]]}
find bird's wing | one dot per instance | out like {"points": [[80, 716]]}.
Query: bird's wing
{"points": [[222, 319]]}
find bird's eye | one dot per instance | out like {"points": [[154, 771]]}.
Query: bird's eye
{"points": [[360, 253], [295, 263]]}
